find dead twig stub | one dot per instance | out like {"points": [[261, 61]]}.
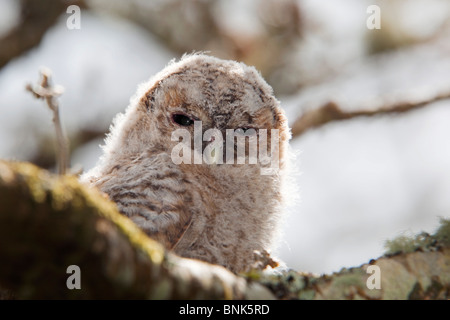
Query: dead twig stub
{"points": [[49, 93]]}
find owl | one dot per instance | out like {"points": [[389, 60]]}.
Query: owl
{"points": [[219, 204]]}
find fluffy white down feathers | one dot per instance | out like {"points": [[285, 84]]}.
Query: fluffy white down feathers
{"points": [[218, 213]]}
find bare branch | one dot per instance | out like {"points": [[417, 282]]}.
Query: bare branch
{"points": [[36, 18], [332, 112], [45, 91]]}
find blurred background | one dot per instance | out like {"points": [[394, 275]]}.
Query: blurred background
{"points": [[360, 181]]}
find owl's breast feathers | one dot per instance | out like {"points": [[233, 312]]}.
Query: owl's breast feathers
{"points": [[155, 197]]}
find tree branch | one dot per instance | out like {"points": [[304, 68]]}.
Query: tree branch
{"points": [[36, 18], [412, 269], [48, 223], [332, 112]]}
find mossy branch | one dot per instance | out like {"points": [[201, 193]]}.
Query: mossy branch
{"points": [[412, 269], [50, 222]]}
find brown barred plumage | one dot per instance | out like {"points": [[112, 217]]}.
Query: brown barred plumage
{"points": [[218, 213]]}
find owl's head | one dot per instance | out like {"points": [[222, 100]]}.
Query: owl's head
{"points": [[204, 98]]}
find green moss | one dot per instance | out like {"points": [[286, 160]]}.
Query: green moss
{"points": [[286, 284], [253, 275], [72, 202], [65, 194], [443, 233], [161, 290], [403, 244], [306, 294], [33, 177], [136, 236], [85, 197], [350, 279], [422, 241]]}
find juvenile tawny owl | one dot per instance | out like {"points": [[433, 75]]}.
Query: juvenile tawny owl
{"points": [[218, 207]]}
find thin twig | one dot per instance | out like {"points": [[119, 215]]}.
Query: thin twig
{"points": [[332, 112], [49, 94]]}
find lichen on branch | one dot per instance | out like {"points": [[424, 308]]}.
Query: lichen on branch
{"points": [[49, 222]]}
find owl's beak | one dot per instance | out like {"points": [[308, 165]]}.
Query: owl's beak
{"points": [[213, 154], [214, 157]]}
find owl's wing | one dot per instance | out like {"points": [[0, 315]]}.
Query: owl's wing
{"points": [[166, 226], [152, 192]]}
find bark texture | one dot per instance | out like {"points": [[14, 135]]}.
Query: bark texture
{"points": [[48, 223]]}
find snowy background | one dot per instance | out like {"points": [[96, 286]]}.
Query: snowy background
{"points": [[361, 181]]}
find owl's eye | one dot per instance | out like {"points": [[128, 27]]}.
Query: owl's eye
{"points": [[182, 119]]}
